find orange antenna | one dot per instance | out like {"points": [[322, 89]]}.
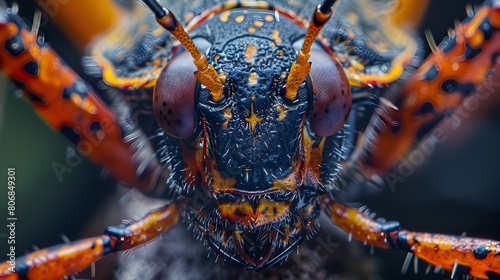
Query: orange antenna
{"points": [[300, 69], [206, 73]]}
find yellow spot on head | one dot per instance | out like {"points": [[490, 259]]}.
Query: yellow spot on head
{"points": [[250, 52], [269, 18], [253, 78], [253, 120], [251, 29], [258, 23], [239, 19], [276, 37], [224, 17]]}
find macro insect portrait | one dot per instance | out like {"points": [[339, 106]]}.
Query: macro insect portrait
{"points": [[233, 129]]}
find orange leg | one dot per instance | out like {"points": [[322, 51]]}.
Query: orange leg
{"points": [[69, 105], [64, 260], [480, 257], [449, 75]]}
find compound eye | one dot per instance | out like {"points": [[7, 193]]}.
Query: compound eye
{"points": [[174, 94], [332, 94]]}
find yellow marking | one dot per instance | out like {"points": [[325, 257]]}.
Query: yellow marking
{"points": [[221, 184], [222, 77], [258, 23], [269, 18], [251, 29], [357, 66], [83, 104], [477, 39], [216, 57], [228, 115], [281, 112], [267, 211], [288, 183], [224, 17], [239, 19], [352, 18], [281, 53], [250, 52], [253, 120], [276, 37], [253, 78]]}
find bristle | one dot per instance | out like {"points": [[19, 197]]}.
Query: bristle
{"points": [[406, 263], [37, 19]]}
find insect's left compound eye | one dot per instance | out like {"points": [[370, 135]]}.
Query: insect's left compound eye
{"points": [[174, 93], [332, 94]]}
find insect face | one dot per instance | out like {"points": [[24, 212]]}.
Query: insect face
{"points": [[253, 142], [255, 150]]}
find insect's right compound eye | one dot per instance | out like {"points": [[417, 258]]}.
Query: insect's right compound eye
{"points": [[173, 100], [332, 94]]}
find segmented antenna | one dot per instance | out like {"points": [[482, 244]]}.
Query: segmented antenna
{"points": [[206, 73], [300, 69]]}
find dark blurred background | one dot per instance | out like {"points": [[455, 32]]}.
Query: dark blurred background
{"points": [[456, 190]]}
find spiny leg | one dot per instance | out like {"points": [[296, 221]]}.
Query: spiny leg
{"points": [[65, 260], [72, 107], [448, 76], [480, 257]]}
